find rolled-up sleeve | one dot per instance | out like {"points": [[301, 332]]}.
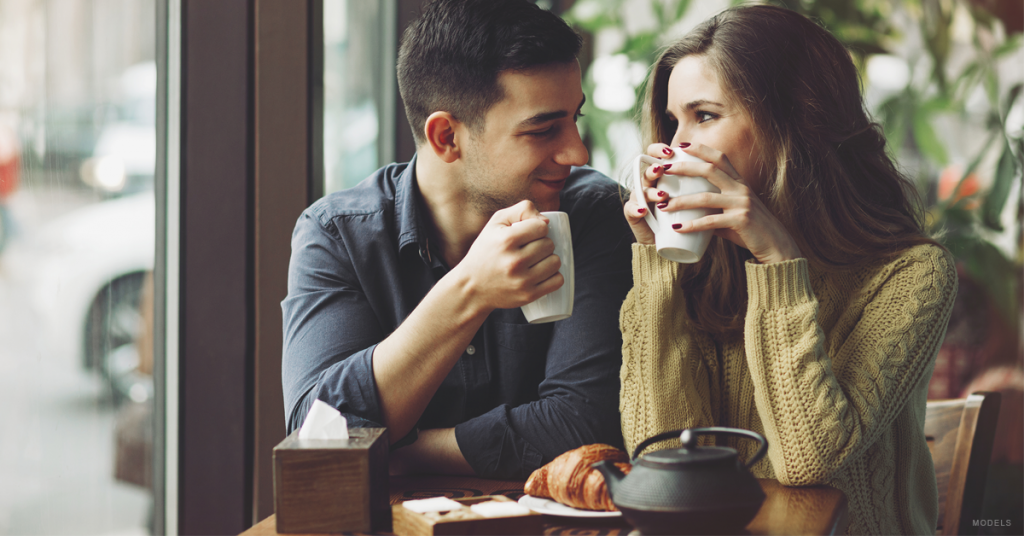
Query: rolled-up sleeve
{"points": [[578, 397], [330, 329]]}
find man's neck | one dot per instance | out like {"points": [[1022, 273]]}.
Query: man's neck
{"points": [[454, 223]]}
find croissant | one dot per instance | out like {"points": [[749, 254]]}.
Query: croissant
{"points": [[570, 480]]}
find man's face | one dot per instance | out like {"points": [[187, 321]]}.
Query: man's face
{"points": [[528, 142]]}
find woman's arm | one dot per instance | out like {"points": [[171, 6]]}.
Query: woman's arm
{"points": [[665, 381], [820, 410]]}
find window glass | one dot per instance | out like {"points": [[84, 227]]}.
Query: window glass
{"points": [[77, 150], [358, 63]]}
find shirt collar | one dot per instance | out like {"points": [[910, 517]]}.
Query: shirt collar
{"points": [[409, 220]]}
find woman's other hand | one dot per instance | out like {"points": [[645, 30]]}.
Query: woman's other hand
{"points": [[744, 220], [635, 210]]}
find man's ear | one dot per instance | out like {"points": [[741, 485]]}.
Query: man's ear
{"points": [[440, 129]]}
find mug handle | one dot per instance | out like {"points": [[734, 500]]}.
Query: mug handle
{"points": [[639, 187]]}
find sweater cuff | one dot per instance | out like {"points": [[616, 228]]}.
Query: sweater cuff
{"points": [[778, 285], [649, 267]]}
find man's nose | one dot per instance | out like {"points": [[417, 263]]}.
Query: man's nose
{"points": [[573, 152]]}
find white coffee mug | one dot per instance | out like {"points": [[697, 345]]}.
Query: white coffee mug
{"points": [[558, 304], [672, 245]]}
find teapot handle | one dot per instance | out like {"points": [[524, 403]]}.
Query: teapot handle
{"points": [[689, 439]]}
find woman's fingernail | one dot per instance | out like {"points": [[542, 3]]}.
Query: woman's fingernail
{"points": [[667, 166], [661, 194], [657, 169], [667, 151], [677, 226], [685, 144], [663, 204], [641, 210]]}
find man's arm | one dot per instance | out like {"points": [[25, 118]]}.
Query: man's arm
{"points": [[578, 398], [506, 267], [390, 383], [434, 451]]}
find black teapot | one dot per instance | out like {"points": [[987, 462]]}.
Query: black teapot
{"points": [[693, 489]]}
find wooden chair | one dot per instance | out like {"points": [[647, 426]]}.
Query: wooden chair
{"points": [[960, 433]]}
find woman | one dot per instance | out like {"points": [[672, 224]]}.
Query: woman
{"points": [[815, 315]]}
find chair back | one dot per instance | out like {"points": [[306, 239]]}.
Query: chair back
{"points": [[960, 434]]}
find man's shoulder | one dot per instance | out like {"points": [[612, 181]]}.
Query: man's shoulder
{"points": [[373, 195]]}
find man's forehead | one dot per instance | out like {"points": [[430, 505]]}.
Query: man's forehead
{"points": [[540, 94]]}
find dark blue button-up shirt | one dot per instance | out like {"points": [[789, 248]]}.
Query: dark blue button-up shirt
{"points": [[522, 393]]}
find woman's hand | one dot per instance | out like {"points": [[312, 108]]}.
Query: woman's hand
{"points": [[636, 210], [744, 220]]}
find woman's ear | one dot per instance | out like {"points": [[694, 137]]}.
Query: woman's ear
{"points": [[440, 130]]}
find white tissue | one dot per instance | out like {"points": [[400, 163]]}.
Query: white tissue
{"points": [[435, 504], [323, 422], [500, 509]]}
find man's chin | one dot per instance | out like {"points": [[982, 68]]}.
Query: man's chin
{"points": [[546, 201], [547, 205]]}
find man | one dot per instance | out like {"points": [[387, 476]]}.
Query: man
{"points": [[404, 291]]}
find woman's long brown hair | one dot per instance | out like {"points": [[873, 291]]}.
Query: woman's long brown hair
{"points": [[828, 178]]}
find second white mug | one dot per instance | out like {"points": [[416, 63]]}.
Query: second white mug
{"points": [[674, 246]]}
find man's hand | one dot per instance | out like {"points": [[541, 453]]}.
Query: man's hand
{"points": [[511, 263]]}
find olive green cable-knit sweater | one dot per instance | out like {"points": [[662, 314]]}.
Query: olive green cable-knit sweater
{"points": [[832, 368]]}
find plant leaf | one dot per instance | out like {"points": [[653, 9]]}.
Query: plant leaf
{"points": [[997, 275], [1006, 174], [973, 165], [925, 138]]}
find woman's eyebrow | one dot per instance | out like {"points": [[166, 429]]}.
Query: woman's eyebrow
{"points": [[693, 105]]}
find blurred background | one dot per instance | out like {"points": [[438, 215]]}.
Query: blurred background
{"points": [[78, 146]]}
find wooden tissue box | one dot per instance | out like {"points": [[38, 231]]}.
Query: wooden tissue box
{"points": [[338, 485], [409, 523]]}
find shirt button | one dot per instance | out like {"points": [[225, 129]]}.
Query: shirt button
{"points": [[471, 350]]}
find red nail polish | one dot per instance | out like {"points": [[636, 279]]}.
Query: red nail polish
{"points": [[641, 210], [663, 204], [677, 226], [684, 144], [667, 151], [661, 194], [657, 169], [667, 166]]}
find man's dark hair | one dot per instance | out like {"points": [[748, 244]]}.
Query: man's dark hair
{"points": [[452, 54]]}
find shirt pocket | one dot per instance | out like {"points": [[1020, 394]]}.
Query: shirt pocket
{"points": [[529, 338]]}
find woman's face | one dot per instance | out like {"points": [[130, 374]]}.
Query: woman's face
{"points": [[701, 111]]}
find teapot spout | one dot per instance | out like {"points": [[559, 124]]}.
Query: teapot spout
{"points": [[612, 475]]}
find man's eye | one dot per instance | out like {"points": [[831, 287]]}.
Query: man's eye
{"points": [[542, 133]]}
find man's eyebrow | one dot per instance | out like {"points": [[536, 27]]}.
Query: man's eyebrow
{"points": [[544, 117]]}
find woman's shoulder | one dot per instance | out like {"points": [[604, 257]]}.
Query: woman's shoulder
{"points": [[928, 254], [930, 264]]}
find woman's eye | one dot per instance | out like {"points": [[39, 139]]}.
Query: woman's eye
{"points": [[705, 116]]}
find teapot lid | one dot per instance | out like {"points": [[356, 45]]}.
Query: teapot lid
{"points": [[691, 453], [685, 456]]}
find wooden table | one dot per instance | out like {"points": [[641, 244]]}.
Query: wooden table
{"points": [[786, 511]]}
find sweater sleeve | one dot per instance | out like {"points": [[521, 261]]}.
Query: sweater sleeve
{"points": [[665, 380], [822, 407]]}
